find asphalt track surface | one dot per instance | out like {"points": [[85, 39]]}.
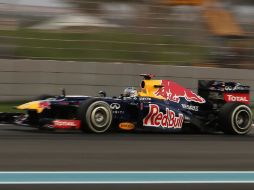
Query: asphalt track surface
{"points": [[27, 149]]}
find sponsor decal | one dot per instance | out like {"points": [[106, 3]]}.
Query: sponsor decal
{"points": [[155, 118], [115, 106], [190, 107], [118, 112], [66, 124], [126, 126], [236, 87], [145, 99], [237, 97], [173, 91]]}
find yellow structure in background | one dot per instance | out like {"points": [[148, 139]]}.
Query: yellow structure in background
{"points": [[219, 21], [183, 2]]}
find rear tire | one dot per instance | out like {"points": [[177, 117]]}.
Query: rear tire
{"points": [[235, 118], [95, 116]]}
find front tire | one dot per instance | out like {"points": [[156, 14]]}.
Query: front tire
{"points": [[95, 116], [235, 118]]}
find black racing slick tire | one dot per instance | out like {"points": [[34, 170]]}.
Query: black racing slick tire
{"points": [[235, 118], [95, 116]]}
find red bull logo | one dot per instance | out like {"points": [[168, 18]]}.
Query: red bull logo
{"points": [[155, 118], [173, 91]]}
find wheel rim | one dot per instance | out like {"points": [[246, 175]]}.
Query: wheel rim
{"points": [[100, 117], [242, 119]]}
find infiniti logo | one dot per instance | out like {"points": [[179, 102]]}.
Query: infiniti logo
{"points": [[115, 106]]}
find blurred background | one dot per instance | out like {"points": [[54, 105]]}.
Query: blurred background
{"points": [[90, 45], [176, 32]]}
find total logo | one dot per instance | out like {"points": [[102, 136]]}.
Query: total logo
{"points": [[155, 118], [237, 97]]}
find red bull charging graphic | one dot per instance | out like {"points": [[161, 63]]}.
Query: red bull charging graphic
{"points": [[173, 91]]}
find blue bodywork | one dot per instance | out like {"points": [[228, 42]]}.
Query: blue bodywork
{"points": [[168, 108], [126, 109]]}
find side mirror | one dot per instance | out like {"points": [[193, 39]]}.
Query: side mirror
{"points": [[102, 93], [63, 92]]}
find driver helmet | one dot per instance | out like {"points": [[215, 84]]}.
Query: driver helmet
{"points": [[130, 92]]}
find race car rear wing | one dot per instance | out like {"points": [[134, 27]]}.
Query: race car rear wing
{"points": [[219, 91]]}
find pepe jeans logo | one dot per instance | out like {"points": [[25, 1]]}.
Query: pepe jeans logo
{"points": [[115, 106], [155, 118]]}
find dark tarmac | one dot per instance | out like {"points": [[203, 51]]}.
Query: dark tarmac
{"points": [[27, 149]]}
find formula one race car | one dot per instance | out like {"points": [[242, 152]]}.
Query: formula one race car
{"points": [[160, 105]]}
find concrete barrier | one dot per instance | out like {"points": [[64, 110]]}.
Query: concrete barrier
{"points": [[25, 79]]}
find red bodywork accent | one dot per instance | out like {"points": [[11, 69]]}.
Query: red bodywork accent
{"points": [[66, 124], [237, 97], [44, 104], [173, 91]]}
